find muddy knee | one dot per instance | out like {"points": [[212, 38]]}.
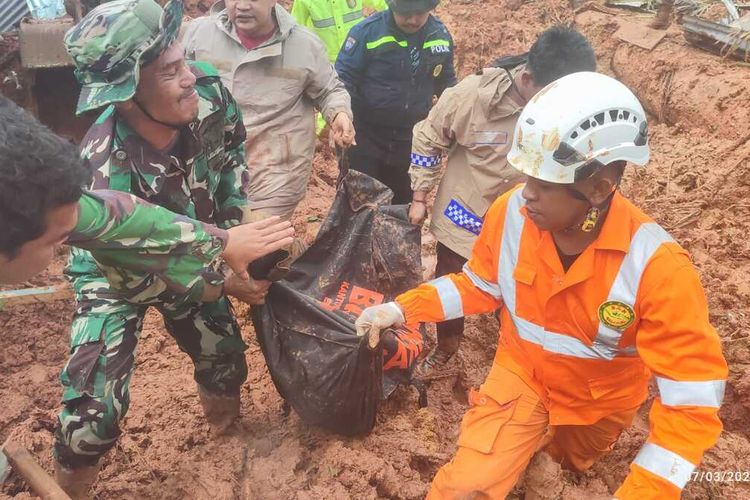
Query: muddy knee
{"points": [[544, 478], [87, 428]]}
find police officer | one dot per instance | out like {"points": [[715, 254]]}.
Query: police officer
{"points": [[392, 64]]}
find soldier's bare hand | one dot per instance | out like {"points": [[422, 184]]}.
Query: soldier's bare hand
{"points": [[342, 131], [248, 242], [249, 291]]}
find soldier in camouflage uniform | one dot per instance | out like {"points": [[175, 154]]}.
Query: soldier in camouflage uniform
{"points": [[43, 204], [172, 135]]}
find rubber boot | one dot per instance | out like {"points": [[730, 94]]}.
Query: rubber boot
{"points": [[220, 411], [544, 478], [77, 483], [663, 16]]}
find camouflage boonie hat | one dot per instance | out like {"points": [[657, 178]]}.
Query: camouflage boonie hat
{"points": [[110, 43]]}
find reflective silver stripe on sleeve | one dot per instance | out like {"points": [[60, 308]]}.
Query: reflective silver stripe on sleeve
{"points": [[664, 463], [450, 299], [706, 393], [489, 288]]}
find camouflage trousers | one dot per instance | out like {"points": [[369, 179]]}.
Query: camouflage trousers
{"points": [[104, 339]]}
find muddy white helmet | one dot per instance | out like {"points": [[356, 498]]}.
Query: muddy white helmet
{"points": [[577, 124]]}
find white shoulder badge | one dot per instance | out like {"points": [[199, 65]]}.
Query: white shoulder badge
{"points": [[350, 43]]}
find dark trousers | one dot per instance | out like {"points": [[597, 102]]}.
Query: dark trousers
{"points": [[384, 154], [448, 262]]}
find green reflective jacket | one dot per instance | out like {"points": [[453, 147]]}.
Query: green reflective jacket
{"points": [[331, 20]]}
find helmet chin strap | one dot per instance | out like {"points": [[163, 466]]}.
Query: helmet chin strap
{"points": [[152, 118]]}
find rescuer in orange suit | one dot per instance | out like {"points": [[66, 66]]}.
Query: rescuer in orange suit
{"points": [[595, 299]]}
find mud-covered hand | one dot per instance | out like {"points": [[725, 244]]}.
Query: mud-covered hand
{"points": [[375, 319], [248, 242], [342, 131], [249, 291], [417, 212]]}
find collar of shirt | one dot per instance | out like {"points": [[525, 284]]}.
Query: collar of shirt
{"points": [[252, 42], [615, 235], [493, 94]]}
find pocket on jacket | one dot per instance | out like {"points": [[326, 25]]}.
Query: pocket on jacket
{"points": [[86, 359], [621, 386], [271, 174], [485, 420]]}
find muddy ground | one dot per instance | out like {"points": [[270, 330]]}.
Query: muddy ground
{"points": [[696, 186]]}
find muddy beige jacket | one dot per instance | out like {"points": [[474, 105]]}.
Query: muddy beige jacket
{"points": [[473, 124], [277, 85]]}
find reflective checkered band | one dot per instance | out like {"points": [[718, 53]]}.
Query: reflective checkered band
{"points": [[461, 217], [424, 161]]}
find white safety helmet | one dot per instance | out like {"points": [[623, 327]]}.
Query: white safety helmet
{"points": [[577, 124]]}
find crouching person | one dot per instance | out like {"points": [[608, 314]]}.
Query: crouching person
{"points": [[595, 298], [171, 134]]}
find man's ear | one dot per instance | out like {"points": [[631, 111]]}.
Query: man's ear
{"points": [[125, 106], [529, 88], [526, 79], [599, 187]]}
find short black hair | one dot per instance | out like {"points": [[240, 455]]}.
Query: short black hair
{"points": [[559, 51], [39, 171]]}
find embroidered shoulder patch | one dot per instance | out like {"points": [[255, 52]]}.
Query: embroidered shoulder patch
{"points": [[349, 44], [616, 315]]}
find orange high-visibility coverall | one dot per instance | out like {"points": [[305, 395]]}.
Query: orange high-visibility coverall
{"points": [[577, 349]]}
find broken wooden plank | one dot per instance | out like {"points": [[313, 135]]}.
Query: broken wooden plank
{"points": [[35, 295], [639, 35]]}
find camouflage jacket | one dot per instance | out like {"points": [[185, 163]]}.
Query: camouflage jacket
{"points": [[168, 252], [207, 182]]}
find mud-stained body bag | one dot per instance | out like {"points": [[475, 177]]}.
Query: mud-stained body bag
{"points": [[366, 253]]}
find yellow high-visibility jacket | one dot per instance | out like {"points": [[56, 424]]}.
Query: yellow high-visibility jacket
{"points": [[331, 20]]}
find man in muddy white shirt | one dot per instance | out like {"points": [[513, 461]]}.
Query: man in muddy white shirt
{"points": [[278, 72]]}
